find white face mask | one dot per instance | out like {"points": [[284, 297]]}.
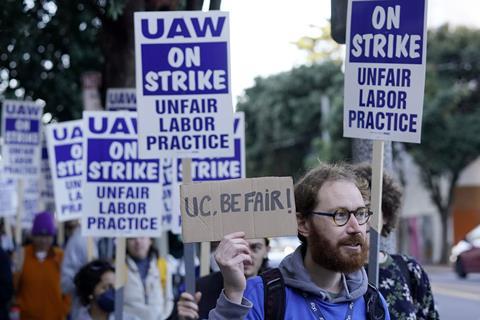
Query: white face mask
{"points": [[41, 255]]}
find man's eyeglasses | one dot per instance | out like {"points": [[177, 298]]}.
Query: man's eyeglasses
{"points": [[342, 215]]}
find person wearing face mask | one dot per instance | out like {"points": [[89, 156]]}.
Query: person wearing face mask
{"points": [[148, 290], [37, 274], [94, 284]]}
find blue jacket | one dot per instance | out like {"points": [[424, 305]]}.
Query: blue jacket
{"points": [[298, 282]]}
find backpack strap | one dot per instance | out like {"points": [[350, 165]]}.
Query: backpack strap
{"points": [[274, 294], [162, 269], [373, 304]]}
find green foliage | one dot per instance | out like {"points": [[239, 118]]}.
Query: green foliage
{"points": [[284, 121], [450, 130], [451, 115], [45, 47]]}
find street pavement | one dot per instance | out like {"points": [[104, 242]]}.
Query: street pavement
{"points": [[456, 299]]}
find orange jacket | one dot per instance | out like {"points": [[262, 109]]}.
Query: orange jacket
{"points": [[38, 292]]}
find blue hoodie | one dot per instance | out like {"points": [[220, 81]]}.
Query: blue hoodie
{"points": [[297, 281]]}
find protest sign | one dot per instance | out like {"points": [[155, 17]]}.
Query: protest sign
{"points": [[213, 169], [183, 84], [121, 191], [21, 132], [261, 207], [8, 197], [31, 201], [121, 99], [222, 168], [65, 149], [124, 99], [46, 184], [385, 70], [169, 167]]}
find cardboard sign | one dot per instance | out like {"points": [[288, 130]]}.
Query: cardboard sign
{"points": [[385, 69], [65, 148], [261, 207], [21, 132], [121, 99], [121, 191], [46, 183], [183, 84], [214, 169], [8, 197]]}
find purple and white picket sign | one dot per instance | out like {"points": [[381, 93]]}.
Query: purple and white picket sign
{"points": [[385, 69], [47, 197], [213, 169], [31, 201], [183, 84], [8, 197], [121, 99], [121, 190], [125, 99], [21, 132], [65, 150], [169, 167]]}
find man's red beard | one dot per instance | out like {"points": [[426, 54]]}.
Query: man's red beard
{"points": [[332, 257]]}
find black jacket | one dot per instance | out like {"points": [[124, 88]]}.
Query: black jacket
{"points": [[210, 286], [6, 284]]}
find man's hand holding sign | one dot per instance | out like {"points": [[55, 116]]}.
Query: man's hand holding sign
{"points": [[231, 255]]}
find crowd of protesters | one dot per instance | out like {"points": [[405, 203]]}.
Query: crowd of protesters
{"points": [[40, 280]]}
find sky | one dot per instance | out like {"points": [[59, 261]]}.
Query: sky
{"points": [[262, 32]]}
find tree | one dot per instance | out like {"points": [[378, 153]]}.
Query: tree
{"points": [[451, 116], [46, 46], [284, 121]]}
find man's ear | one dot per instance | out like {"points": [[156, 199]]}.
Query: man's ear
{"points": [[303, 224], [267, 252]]}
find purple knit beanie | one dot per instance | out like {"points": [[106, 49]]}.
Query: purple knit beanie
{"points": [[43, 225]]}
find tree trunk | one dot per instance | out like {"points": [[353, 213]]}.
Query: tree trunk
{"points": [[362, 152], [118, 42], [445, 239]]}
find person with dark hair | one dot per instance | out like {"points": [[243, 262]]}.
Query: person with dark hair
{"points": [[402, 280], [209, 287], [75, 256], [148, 290], [324, 278], [37, 274], [6, 284], [94, 284]]}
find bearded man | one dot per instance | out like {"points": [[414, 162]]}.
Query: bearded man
{"points": [[324, 277]]}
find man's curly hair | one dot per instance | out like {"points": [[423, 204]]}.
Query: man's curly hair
{"points": [[306, 189], [391, 196]]}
